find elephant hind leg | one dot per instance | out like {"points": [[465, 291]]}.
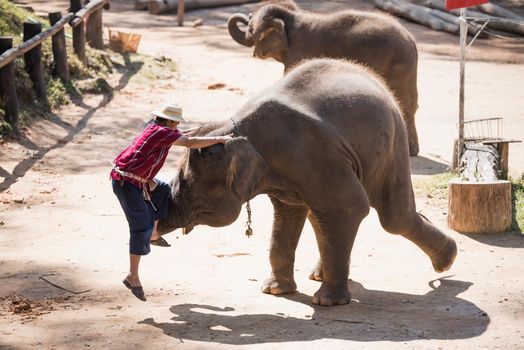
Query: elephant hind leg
{"points": [[440, 248], [398, 215]]}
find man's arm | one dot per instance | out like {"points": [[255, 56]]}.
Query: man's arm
{"points": [[201, 141]]}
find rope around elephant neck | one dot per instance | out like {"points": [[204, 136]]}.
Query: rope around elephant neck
{"points": [[249, 231]]}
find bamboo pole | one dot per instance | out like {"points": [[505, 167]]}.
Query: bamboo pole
{"points": [[61, 68], [7, 86], [33, 61]]}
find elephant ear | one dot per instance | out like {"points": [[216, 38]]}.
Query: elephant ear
{"points": [[246, 167], [278, 27]]}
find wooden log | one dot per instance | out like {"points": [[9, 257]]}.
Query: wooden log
{"points": [[479, 207], [83, 12], [94, 31], [181, 8], [141, 4], [451, 18], [18, 51], [479, 162], [500, 24], [7, 86], [33, 61], [61, 68], [498, 11], [418, 14], [162, 6], [505, 23], [79, 36]]}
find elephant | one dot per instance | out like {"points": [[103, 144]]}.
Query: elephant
{"points": [[326, 143], [280, 30]]}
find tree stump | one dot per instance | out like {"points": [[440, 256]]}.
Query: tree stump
{"points": [[479, 207]]}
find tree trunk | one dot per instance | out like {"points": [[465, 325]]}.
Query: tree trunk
{"points": [[161, 6], [479, 207]]}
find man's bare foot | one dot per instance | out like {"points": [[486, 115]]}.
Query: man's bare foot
{"points": [[154, 236]]}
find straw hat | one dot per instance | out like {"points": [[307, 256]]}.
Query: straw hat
{"points": [[171, 111]]}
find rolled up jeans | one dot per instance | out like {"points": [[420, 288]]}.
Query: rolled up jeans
{"points": [[141, 214]]}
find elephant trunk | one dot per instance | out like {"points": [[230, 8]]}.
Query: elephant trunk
{"points": [[239, 35], [178, 215]]}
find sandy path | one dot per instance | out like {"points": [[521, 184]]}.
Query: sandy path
{"points": [[60, 220]]}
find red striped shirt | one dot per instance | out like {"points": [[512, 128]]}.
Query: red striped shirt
{"points": [[147, 153]]}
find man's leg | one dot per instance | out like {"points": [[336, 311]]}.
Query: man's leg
{"points": [[133, 277]]}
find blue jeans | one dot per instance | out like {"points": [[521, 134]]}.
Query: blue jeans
{"points": [[141, 214]]}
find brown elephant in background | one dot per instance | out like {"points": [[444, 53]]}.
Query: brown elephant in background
{"points": [[280, 30], [327, 142]]}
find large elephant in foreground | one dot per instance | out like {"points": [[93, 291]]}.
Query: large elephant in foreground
{"points": [[283, 32], [325, 143]]}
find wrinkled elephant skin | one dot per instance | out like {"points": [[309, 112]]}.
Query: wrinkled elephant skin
{"points": [[325, 143], [289, 35]]}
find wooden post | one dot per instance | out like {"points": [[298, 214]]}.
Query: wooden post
{"points": [[463, 37], [180, 12], [479, 207], [7, 86], [33, 61], [94, 31], [79, 36], [61, 68]]}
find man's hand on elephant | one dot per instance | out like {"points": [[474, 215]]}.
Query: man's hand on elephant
{"points": [[225, 138]]}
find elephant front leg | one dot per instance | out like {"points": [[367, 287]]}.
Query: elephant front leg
{"points": [[316, 272], [335, 241], [288, 223]]}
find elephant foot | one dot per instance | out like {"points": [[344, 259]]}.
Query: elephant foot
{"points": [[332, 296], [443, 260], [413, 149], [275, 286], [316, 273]]}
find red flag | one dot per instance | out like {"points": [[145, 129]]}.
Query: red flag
{"points": [[456, 4]]}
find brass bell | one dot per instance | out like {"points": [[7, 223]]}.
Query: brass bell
{"points": [[249, 232]]}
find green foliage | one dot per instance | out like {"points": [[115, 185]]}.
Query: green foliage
{"points": [[435, 187], [517, 198], [56, 93], [12, 18]]}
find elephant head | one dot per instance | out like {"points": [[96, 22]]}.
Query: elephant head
{"points": [[212, 185], [266, 30]]}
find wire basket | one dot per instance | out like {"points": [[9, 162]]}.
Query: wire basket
{"points": [[483, 129], [123, 42]]}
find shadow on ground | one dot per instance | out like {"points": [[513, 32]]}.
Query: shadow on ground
{"points": [[373, 315], [504, 240], [421, 165], [127, 71]]}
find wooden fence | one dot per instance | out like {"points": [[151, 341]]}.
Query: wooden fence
{"points": [[86, 22]]}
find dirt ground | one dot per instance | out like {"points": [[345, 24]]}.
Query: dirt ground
{"points": [[60, 222]]}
